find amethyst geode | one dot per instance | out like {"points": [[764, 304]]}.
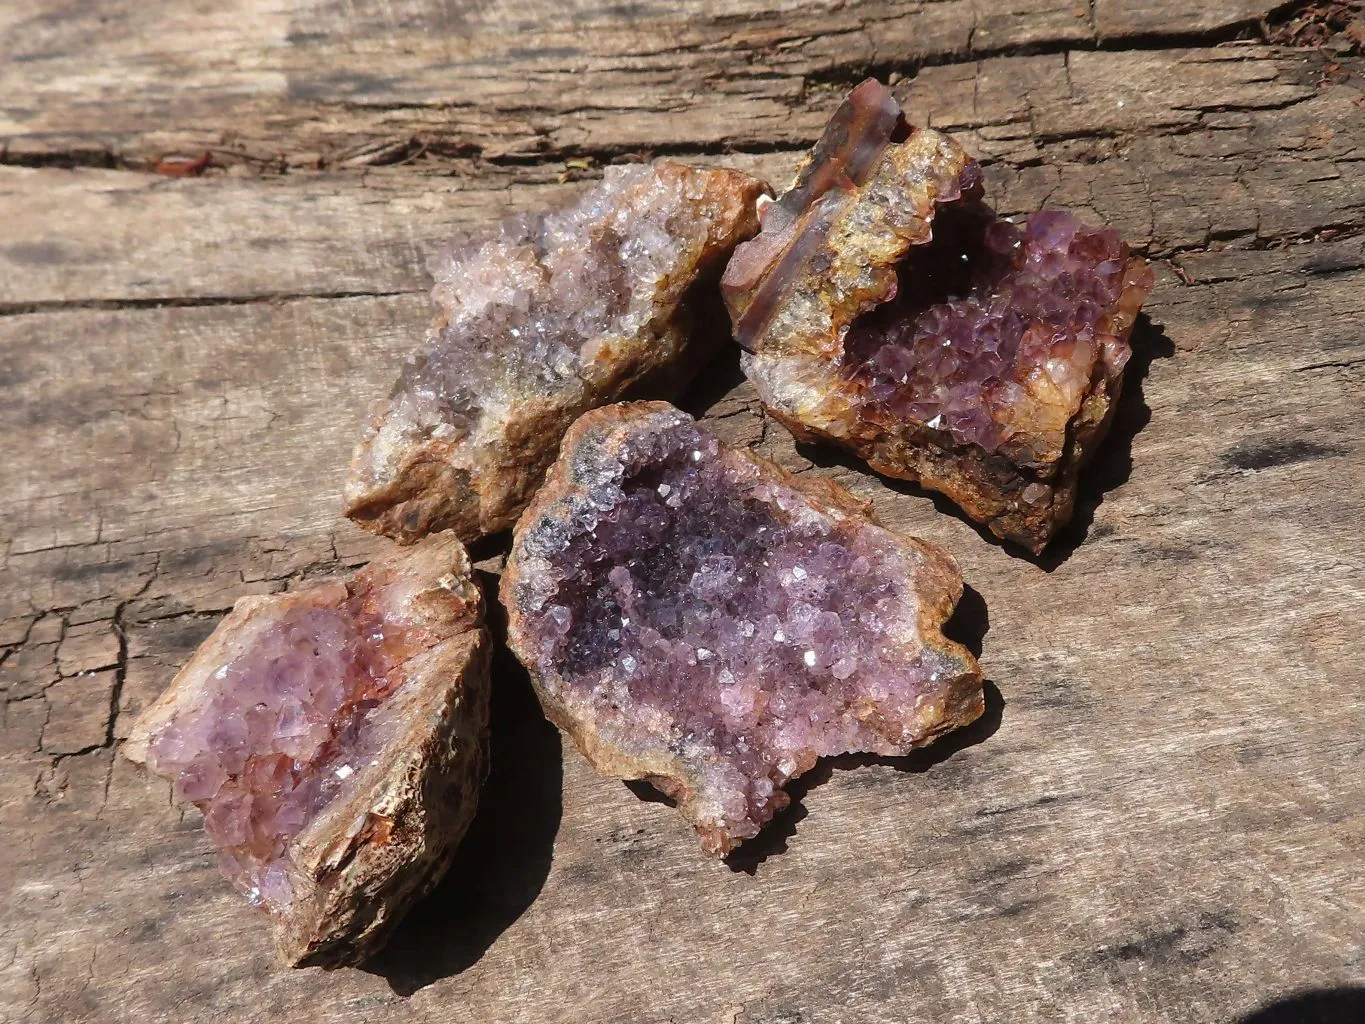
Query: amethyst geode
{"points": [[551, 316], [886, 308], [696, 616], [335, 740]]}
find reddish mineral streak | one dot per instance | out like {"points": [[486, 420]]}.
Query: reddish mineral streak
{"points": [[312, 729], [184, 167], [894, 313], [853, 141], [698, 617], [793, 244]]}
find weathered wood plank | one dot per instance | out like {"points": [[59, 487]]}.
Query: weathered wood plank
{"points": [[1162, 821], [274, 84], [1133, 815], [1119, 19], [1251, 153]]}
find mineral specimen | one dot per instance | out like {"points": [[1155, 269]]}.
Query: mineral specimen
{"points": [[552, 316], [696, 616], [886, 308], [335, 740]]}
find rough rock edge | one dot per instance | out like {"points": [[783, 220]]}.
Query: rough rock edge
{"points": [[435, 485], [602, 430], [384, 843], [986, 486], [797, 385]]}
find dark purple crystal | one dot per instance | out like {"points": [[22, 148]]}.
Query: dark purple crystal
{"points": [[683, 598]]}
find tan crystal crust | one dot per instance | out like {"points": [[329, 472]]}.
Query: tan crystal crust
{"points": [[553, 315]]}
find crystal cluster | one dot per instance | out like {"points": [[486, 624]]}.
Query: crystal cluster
{"points": [[698, 617], [554, 314], [279, 729], [885, 307], [333, 739]]}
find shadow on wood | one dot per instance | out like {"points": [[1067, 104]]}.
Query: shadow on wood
{"points": [[710, 367], [648, 793], [505, 857], [1343, 1005], [1113, 463], [970, 621], [773, 839], [720, 376]]}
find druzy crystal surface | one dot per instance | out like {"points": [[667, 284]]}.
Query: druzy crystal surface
{"points": [[885, 307], [280, 729], [300, 726], [698, 617], [551, 315]]}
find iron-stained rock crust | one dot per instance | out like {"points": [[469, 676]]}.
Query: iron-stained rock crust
{"points": [[654, 682]]}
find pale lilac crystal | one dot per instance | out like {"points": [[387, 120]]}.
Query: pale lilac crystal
{"points": [[335, 739], [549, 316], [283, 727], [689, 599]]}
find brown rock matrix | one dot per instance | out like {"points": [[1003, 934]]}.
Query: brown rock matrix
{"points": [[335, 739], [696, 616], [552, 315], [886, 308]]}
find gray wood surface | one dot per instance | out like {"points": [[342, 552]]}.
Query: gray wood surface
{"points": [[1161, 818]]}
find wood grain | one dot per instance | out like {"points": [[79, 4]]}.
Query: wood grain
{"points": [[1160, 818]]}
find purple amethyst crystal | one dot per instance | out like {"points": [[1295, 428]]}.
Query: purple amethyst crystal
{"points": [[313, 728], [696, 616], [1026, 300], [886, 308]]}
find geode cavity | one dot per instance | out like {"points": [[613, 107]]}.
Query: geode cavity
{"points": [[886, 308], [335, 739], [696, 616], [551, 316]]}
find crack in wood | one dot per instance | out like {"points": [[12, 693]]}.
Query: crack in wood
{"points": [[184, 302]]}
